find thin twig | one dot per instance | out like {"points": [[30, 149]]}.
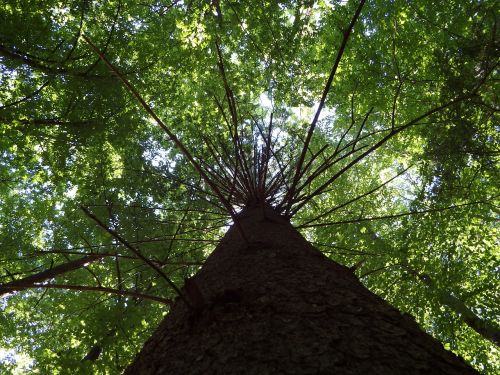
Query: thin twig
{"points": [[136, 252], [84, 288], [394, 216], [316, 218], [326, 90], [380, 143], [170, 134]]}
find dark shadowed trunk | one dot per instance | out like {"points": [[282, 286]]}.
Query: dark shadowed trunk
{"points": [[276, 305]]}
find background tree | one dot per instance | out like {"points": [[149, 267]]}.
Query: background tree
{"points": [[397, 175]]}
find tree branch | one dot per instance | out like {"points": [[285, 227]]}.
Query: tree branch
{"points": [[356, 198], [136, 252], [84, 288], [169, 133], [328, 85], [51, 273], [359, 220]]}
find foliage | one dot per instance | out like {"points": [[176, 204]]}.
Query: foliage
{"points": [[405, 150]]}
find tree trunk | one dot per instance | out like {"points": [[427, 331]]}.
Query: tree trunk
{"points": [[276, 305]]}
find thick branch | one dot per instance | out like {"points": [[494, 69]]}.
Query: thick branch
{"points": [[481, 326], [485, 328], [43, 276]]}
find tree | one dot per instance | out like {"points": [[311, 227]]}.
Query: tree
{"points": [[135, 134]]}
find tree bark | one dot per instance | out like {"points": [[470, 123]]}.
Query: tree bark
{"points": [[277, 305]]}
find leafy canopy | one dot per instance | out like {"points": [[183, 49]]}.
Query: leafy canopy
{"points": [[373, 126]]}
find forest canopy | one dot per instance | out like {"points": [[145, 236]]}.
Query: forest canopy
{"points": [[373, 126]]}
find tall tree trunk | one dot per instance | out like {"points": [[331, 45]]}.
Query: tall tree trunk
{"points": [[276, 305]]}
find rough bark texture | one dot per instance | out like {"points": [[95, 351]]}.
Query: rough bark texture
{"points": [[276, 305]]}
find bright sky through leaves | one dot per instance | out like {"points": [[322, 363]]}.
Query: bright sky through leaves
{"points": [[400, 176]]}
